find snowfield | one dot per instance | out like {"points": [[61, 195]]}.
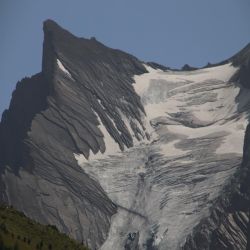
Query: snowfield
{"points": [[165, 186]]}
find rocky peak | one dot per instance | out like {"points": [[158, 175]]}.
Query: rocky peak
{"points": [[84, 86]]}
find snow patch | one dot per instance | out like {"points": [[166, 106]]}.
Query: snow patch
{"points": [[111, 147], [61, 67], [177, 89]]}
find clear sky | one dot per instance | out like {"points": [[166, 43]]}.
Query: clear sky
{"points": [[170, 32]]}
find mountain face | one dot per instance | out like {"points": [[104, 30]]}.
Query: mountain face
{"points": [[122, 154]]}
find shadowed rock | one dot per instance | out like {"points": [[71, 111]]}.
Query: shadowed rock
{"points": [[57, 113]]}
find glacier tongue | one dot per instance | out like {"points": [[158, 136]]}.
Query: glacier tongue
{"points": [[163, 188]]}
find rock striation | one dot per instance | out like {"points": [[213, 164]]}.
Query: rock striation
{"points": [[55, 114]]}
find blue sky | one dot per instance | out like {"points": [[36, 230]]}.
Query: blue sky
{"points": [[170, 32]]}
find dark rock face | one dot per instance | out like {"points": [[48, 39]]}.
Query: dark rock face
{"points": [[28, 99], [242, 59], [158, 66], [103, 78], [53, 115], [242, 56]]}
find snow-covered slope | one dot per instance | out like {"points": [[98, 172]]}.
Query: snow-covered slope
{"points": [[164, 187]]}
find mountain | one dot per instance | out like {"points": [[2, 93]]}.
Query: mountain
{"points": [[123, 154]]}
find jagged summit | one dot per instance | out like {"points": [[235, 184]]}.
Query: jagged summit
{"points": [[83, 51], [82, 102], [99, 134], [54, 29], [50, 24], [242, 57]]}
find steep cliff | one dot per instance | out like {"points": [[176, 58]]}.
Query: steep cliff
{"points": [[55, 114]]}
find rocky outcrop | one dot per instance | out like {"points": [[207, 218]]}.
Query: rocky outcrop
{"points": [[187, 67], [158, 66], [242, 59], [57, 113]]}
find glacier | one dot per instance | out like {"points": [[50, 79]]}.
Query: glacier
{"points": [[165, 186]]}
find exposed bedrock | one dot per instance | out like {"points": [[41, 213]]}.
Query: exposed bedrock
{"points": [[55, 114], [242, 60]]}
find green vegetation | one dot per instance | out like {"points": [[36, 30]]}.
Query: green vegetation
{"points": [[17, 232]]}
